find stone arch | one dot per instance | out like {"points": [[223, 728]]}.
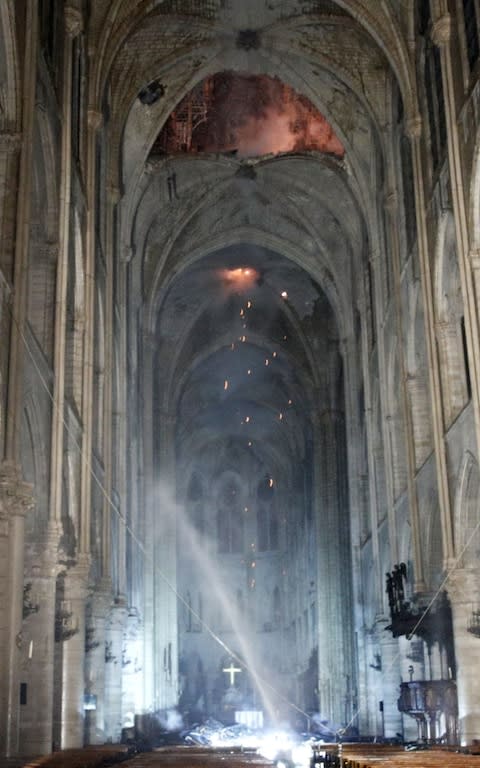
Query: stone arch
{"points": [[229, 506], [448, 303], [467, 512]]}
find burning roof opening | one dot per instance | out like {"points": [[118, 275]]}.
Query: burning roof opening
{"points": [[247, 115]]}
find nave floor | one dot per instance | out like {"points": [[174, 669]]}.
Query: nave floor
{"points": [[329, 756]]}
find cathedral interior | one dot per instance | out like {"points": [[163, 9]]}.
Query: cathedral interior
{"points": [[239, 367]]}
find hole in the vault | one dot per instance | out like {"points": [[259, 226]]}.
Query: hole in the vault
{"points": [[248, 116]]}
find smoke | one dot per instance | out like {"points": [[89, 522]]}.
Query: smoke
{"points": [[171, 720]]}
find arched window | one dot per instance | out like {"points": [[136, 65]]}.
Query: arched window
{"points": [[433, 87], [408, 192], [195, 502], [267, 520], [471, 31], [230, 519], [276, 608]]}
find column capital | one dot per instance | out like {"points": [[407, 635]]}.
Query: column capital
{"points": [[442, 30], [16, 496], [73, 21], [94, 119], [414, 126]]}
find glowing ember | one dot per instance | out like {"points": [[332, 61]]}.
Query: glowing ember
{"points": [[249, 304], [248, 115], [225, 385], [284, 295], [280, 416], [267, 362], [249, 372], [270, 483], [239, 279], [274, 354]]}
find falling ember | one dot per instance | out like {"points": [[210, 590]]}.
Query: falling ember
{"points": [[284, 295], [267, 362], [249, 304], [270, 483], [280, 416], [254, 565], [245, 509], [242, 313], [284, 338], [289, 402], [225, 385], [232, 347], [247, 419], [243, 339], [249, 372], [249, 443], [274, 354]]}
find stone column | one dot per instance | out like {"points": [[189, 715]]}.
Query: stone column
{"points": [[15, 499], [94, 123], [414, 130], [464, 586], [39, 646], [442, 36], [392, 719], [165, 576], [10, 144], [95, 665], [407, 409], [73, 26], [114, 633], [334, 586], [70, 632]]}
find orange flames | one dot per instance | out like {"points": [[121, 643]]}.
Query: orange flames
{"points": [[240, 278], [247, 115]]}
